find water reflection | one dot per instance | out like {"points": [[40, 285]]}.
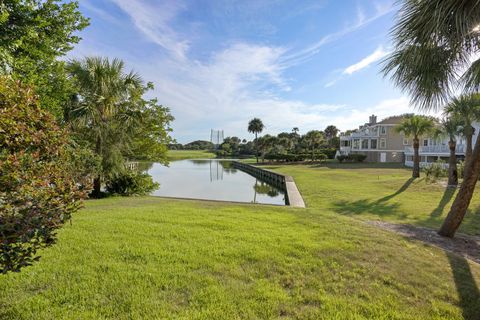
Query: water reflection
{"points": [[212, 179]]}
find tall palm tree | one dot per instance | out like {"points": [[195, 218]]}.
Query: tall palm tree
{"points": [[313, 139], [467, 109], [433, 40], [415, 127], [256, 126], [451, 128], [102, 108]]}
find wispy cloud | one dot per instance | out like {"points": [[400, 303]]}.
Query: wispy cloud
{"points": [[362, 20], [154, 21], [375, 56]]}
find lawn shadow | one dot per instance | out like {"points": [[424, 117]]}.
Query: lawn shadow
{"points": [[366, 206], [447, 196], [399, 191], [468, 291]]}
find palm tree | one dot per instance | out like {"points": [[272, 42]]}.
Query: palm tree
{"points": [[101, 109], [313, 139], [467, 109], [415, 127], [433, 40], [255, 126], [451, 128]]}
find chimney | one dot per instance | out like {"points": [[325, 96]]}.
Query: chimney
{"points": [[373, 119]]}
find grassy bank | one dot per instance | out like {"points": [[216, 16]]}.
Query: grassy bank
{"points": [[125, 258], [189, 154]]}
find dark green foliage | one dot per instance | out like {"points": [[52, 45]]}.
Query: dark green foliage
{"points": [[353, 157], [39, 188], [199, 145], [129, 183], [33, 35]]}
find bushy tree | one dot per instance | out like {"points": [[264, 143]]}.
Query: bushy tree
{"points": [[33, 35], [109, 115], [38, 189]]}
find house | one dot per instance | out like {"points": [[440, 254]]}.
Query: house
{"points": [[380, 142]]}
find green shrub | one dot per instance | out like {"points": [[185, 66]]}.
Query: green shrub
{"points": [[353, 157], [435, 171], [38, 186], [130, 183]]}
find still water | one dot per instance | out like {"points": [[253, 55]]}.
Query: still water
{"points": [[212, 180]]}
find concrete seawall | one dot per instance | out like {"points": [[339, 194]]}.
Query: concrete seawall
{"points": [[286, 183]]}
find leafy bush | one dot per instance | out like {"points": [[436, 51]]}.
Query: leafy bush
{"points": [[435, 171], [38, 191], [329, 152], [130, 182], [353, 157]]}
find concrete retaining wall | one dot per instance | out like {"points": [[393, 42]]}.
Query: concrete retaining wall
{"points": [[286, 183]]}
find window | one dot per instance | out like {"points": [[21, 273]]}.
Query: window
{"points": [[383, 143], [383, 130], [356, 144], [405, 141], [425, 142], [365, 144], [373, 144]]}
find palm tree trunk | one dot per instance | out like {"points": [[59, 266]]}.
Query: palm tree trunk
{"points": [[462, 200], [416, 159], [97, 182], [468, 151], [256, 146], [452, 165]]}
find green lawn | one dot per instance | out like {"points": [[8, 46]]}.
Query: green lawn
{"points": [[189, 154], [151, 258]]}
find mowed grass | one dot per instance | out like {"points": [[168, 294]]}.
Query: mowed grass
{"points": [[189, 154], [379, 192], [152, 258]]}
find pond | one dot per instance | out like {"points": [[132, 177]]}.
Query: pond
{"points": [[212, 180]]}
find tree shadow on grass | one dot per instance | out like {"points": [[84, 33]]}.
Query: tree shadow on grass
{"points": [[468, 291], [365, 206], [447, 196], [399, 191]]}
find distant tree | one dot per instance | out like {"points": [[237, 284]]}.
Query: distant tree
{"points": [[33, 35], [451, 128], [295, 130], [467, 109], [39, 183], [416, 126], [314, 139], [265, 144], [255, 126], [331, 132], [199, 145]]}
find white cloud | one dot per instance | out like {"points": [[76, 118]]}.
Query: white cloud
{"points": [[154, 20], [378, 54]]}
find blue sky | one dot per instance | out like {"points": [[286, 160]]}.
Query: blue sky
{"points": [[217, 64]]}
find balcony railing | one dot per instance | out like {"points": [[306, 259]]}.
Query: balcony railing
{"points": [[436, 149]]}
